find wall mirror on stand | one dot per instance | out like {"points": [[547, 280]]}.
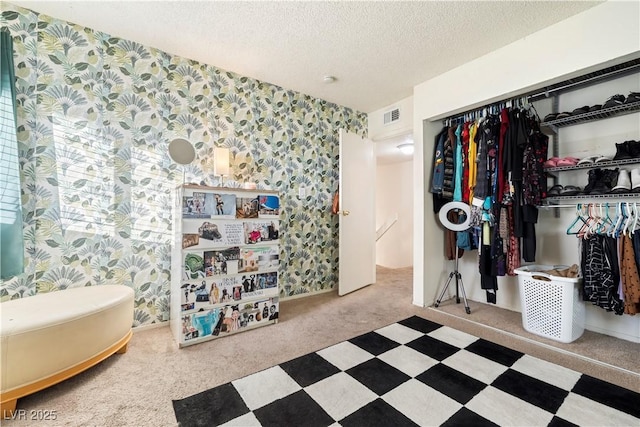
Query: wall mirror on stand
{"points": [[182, 152]]}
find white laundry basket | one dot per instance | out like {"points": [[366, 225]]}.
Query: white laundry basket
{"points": [[551, 308]]}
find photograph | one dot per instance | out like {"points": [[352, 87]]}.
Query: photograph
{"points": [[189, 240], [260, 231], [269, 206], [198, 205], [247, 207], [204, 322], [193, 266], [221, 262], [258, 259], [224, 205], [214, 232], [268, 280]]}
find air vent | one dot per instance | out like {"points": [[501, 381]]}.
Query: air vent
{"points": [[391, 116]]}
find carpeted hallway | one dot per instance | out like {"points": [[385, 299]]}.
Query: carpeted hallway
{"points": [[137, 388]]}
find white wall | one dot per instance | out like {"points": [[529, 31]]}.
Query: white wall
{"points": [[394, 196], [608, 33], [378, 131]]}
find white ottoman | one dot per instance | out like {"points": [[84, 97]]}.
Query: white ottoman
{"points": [[50, 337]]}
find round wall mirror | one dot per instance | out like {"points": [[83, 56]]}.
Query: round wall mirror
{"points": [[181, 151]]}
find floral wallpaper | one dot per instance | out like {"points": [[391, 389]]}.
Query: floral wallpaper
{"points": [[95, 117]]}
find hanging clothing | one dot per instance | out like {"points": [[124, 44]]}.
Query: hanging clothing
{"points": [[449, 166], [450, 238], [629, 276], [437, 179], [473, 159], [600, 281], [488, 280], [504, 126], [465, 160], [459, 166], [481, 190]]}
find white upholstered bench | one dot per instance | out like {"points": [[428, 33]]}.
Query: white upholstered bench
{"points": [[50, 337]]}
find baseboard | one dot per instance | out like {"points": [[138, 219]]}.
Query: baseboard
{"points": [[151, 326], [611, 333], [308, 294]]}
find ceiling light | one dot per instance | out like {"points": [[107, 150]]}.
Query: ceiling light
{"points": [[329, 79], [406, 148]]}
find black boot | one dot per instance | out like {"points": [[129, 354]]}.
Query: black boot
{"points": [[622, 151], [594, 176], [604, 183], [633, 147]]}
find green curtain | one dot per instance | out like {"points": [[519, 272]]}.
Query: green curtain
{"points": [[11, 237]]}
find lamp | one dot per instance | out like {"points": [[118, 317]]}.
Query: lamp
{"points": [[406, 148], [221, 162]]}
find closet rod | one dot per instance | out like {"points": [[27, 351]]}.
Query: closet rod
{"points": [[558, 206], [519, 101]]}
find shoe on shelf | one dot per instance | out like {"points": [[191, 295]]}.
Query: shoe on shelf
{"points": [[614, 101], [633, 147], [555, 190], [567, 161], [635, 180], [622, 151], [563, 115], [552, 162], [603, 181], [588, 160], [550, 117], [593, 176], [595, 108], [603, 159], [622, 183], [570, 190], [633, 97], [580, 110]]}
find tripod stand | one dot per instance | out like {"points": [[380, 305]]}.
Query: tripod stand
{"points": [[459, 286]]}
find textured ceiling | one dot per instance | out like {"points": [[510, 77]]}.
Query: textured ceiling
{"points": [[377, 50]]}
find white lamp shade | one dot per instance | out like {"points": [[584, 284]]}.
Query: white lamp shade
{"points": [[221, 162]]}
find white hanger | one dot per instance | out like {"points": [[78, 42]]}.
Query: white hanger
{"points": [[635, 220], [629, 218]]}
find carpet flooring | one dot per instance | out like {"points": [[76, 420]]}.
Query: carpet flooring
{"points": [[413, 372]]}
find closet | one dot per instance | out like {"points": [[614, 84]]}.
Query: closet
{"points": [[582, 134]]}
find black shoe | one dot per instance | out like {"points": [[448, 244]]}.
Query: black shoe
{"points": [[633, 148], [594, 176], [606, 181], [633, 97], [622, 151], [614, 101]]}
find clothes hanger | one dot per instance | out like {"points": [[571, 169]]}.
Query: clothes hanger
{"points": [[597, 219], [619, 220], [579, 217], [635, 220], [629, 219], [608, 223], [583, 233]]}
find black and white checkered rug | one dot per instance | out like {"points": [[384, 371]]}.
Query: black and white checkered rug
{"points": [[414, 372]]}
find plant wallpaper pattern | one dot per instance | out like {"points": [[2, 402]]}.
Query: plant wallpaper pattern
{"points": [[95, 116]]}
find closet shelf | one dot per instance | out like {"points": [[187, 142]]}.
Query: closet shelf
{"points": [[604, 113], [549, 200], [594, 165]]}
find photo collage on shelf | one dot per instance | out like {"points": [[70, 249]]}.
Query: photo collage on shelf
{"points": [[222, 263], [229, 318], [207, 218], [200, 294]]}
